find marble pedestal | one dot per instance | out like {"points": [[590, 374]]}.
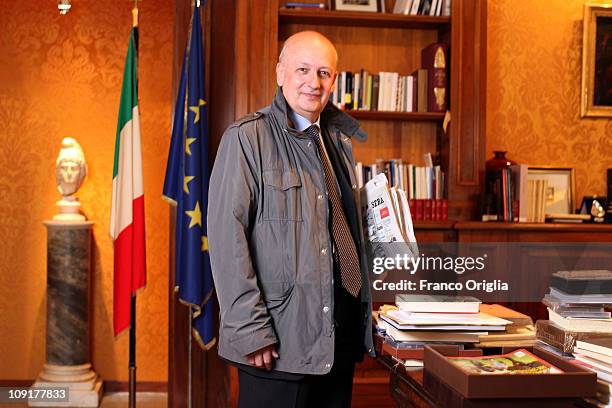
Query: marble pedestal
{"points": [[67, 357]]}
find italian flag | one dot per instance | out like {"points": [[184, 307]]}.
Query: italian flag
{"points": [[127, 228]]}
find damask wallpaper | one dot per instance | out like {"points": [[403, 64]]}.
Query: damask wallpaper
{"points": [[61, 76], [534, 60]]}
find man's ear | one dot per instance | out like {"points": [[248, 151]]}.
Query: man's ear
{"points": [[280, 74]]}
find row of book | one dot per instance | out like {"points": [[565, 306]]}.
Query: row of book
{"points": [[424, 90], [419, 182], [385, 91], [514, 197], [423, 7], [580, 327]]}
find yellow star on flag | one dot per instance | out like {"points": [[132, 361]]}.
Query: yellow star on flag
{"points": [[204, 243], [186, 181], [188, 142], [196, 215], [196, 110]]}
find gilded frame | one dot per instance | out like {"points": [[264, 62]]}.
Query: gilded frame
{"points": [[596, 91]]}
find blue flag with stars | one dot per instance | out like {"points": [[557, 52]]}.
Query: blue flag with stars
{"points": [[186, 185]]}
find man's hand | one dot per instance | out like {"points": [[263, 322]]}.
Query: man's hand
{"points": [[263, 357]]}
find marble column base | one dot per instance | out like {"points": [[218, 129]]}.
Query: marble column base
{"points": [[85, 386]]}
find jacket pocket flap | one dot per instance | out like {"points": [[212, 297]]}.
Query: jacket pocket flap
{"points": [[282, 180]]}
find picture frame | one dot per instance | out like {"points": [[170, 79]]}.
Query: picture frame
{"points": [[357, 5], [596, 92], [561, 187]]}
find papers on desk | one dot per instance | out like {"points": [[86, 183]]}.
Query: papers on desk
{"points": [[403, 320]]}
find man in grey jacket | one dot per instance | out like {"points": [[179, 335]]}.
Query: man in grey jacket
{"points": [[286, 242]]}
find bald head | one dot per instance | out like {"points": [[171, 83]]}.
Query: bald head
{"points": [[307, 38], [306, 71]]}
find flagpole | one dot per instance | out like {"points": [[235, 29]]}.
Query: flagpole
{"points": [[132, 357], [132, 364], [189, 368]]}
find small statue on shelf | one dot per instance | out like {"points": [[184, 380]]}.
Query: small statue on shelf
{"points": [[70, 171]]}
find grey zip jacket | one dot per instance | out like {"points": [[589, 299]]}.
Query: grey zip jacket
{"points": [[269, 242]]}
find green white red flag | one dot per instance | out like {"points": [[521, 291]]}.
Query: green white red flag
{"points": [[127, 227]]}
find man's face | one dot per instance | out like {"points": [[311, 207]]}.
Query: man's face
{"points": [[307, 74]]}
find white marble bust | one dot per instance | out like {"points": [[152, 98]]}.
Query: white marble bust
{"points": [[70, 167], [70, 171]]}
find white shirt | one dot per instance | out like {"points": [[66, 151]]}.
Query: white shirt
{"points": [[301, 124]]}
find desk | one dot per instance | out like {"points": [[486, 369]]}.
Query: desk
{"points": [[406, 385]]}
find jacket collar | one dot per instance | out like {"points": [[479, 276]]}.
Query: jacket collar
{"points": [[330, 117]]}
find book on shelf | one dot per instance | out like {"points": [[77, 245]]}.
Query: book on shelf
{"points": [[304, 5], [437, 303], [421, 89], [434, 59], [519, 177], [518, 361]]}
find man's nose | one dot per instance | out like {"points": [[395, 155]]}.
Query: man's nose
{"points": [[313, 80]]}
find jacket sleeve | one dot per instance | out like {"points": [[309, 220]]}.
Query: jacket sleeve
{"points": [[233, 193]]}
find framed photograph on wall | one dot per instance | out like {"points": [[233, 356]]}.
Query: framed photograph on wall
{"points": [[357, 5], [559, 194], [597, 61]]}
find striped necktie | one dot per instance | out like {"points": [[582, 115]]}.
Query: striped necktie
{"points": [[348, 259]]}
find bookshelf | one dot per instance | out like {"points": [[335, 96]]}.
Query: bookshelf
{"points": [[385, 42], [245, 39], [357, 18]]}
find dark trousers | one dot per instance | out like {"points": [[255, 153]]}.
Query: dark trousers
{"points": [[332, 390]]}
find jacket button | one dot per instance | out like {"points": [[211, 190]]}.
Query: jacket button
{"points": [[309, 144], [354, 186], [319, 196], [324, 251], [325, 309], [327, 365]]}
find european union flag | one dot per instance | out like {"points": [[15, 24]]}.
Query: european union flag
{"points": [[186, 185]]}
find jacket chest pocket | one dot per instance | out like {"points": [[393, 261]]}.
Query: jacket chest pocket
{"points": [[282, 196]]}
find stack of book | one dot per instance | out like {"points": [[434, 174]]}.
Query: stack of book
{"points": [[579, 326], [596, 355], [418, 320], [423, 185], [425, 90], [577, 298]]}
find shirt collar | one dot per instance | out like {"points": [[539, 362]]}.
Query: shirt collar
{"points": [[300, 122]]}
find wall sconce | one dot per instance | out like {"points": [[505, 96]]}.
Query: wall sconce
{"points": [[64, 6]]}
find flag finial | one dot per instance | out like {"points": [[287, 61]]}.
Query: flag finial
{"points": [[135, 14]]}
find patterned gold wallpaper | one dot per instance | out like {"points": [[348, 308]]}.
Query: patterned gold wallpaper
{"points": [[60, 76], [534, 59]]}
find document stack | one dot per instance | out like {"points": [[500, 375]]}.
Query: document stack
{"points": [[418, 320], [579, 326], [596, 355]]}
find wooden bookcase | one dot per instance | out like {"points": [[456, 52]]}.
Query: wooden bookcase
{"points": [[385, 42], [243, 39]]}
